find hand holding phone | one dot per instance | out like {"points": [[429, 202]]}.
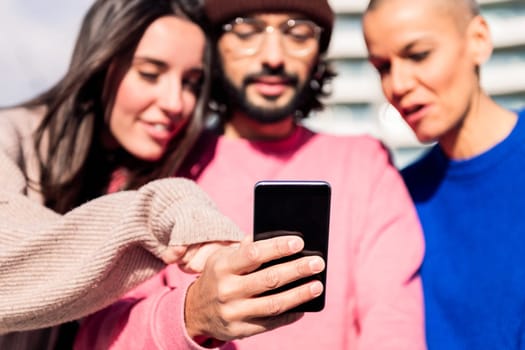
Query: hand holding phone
{"points": [[295, 207]]}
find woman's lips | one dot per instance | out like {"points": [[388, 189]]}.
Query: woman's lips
{"points": [[414, 113], [159, 131]]}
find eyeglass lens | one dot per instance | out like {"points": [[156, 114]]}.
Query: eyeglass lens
{"points": [[297, 37]]}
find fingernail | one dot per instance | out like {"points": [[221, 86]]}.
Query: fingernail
{"points": [[316, 288], [294, 244], [316, 264]]}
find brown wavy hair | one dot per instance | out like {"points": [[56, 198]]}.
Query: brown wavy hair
{"points": [[75, 166]]}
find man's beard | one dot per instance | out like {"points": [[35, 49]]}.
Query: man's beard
{"points": [[238, 98]]}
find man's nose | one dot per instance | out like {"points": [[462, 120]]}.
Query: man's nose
{"points": [[272, 51]]}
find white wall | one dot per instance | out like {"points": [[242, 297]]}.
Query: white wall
{"points": [[36, 37]]}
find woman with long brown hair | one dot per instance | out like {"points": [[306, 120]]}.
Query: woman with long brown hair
{"points": [[126, 113]]}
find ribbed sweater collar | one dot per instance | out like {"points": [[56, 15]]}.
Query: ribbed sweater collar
{"points": [[487, 159]]}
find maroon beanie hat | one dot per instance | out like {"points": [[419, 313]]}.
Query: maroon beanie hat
{"points": [[319, 11]]}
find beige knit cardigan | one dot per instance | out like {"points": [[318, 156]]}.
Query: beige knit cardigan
{"points": [[55, 268]]}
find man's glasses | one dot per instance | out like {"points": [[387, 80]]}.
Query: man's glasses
{"points": [[298, 37]]}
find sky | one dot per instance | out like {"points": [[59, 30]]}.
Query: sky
{"points": [[36, 40]]}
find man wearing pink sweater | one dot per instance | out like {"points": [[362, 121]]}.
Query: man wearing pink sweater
{"points": [[270, 73]]}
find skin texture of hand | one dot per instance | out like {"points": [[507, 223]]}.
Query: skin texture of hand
{"points": [[224, 303], [192, 258], [172, 254]]}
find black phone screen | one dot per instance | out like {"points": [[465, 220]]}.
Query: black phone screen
{"points": [[299, 206]]}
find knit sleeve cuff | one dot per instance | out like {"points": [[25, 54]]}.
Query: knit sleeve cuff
{"points": [[180, 214]]}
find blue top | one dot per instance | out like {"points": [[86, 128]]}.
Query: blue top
{"points": [[473, 217]]}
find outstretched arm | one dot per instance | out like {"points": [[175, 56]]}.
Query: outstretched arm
{"points": [[58, 268]]}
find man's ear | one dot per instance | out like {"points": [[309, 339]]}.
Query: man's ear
{"points": [[480, 41]]}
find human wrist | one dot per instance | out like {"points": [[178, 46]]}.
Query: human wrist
{"points": [[194, 327], [191, 322]]}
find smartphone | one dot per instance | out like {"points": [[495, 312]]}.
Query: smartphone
{"points": [[302, 207]]}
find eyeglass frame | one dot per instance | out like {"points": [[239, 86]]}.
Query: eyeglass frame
{"points": [[267, 28]]}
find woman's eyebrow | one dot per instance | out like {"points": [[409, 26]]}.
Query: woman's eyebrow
{"points": [[146, 59], [408, 47]]}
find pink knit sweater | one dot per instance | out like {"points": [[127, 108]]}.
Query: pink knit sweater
{"points": [[374, 297]]}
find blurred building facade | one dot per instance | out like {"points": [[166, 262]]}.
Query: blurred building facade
{"points": [[357, 105]]}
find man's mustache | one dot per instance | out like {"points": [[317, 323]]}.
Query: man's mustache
{"points": [[289, 79]]}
